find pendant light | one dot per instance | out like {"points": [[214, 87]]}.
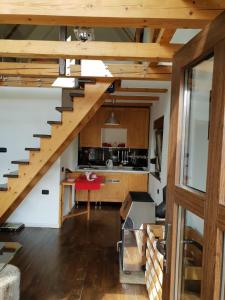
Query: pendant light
{"points": [[112, 120]]}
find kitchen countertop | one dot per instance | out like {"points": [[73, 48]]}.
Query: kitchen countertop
{"points": [[115, 169]]}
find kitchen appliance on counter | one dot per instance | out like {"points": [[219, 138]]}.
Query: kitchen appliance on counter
{"points": [[109, 163], [136, 212]]}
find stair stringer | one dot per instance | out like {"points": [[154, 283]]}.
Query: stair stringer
{"points": [[50, 149]]}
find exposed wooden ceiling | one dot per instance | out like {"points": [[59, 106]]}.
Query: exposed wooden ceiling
{"points": [[111, 13], [164, 17]]}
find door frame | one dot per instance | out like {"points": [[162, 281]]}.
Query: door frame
{"points": [[210, 205]]}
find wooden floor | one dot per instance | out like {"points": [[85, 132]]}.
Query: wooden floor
{"points": [[78, 261]]}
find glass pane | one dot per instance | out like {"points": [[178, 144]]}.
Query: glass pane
{"points": [[197, 106], [189, 259]]}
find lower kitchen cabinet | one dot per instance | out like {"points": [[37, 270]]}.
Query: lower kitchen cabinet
{"points": [[116, 187], [137, 182]]}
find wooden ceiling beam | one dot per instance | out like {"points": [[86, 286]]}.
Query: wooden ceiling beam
{"points": [[29, 69], [47, 82], [27, 82], [111, 13], [142, 90], [165, 35], [87, 50], [131, 98], [29, 79], [127, 104], [118, 71]]}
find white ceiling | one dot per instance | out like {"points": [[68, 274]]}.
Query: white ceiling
{"points": [[182, 36]]}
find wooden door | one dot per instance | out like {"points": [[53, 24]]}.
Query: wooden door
{"points": [[196, 169]]}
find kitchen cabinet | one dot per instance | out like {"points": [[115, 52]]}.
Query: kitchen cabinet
{"points": [[135, 120], [137, 182], [116, 188], [90, 136]]}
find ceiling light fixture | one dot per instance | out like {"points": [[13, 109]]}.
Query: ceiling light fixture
{"points": [[112, 120], [84, 34]]}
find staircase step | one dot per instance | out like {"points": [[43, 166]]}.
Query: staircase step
{"points": [[54, 144], [3, 187], [45, 136], [20, 162], [54, 122], [86, 80], [32, 149], [77, 94], [12, 175], [64, 108]]}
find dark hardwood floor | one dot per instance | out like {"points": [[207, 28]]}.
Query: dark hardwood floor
{"points": [[78, 261]]}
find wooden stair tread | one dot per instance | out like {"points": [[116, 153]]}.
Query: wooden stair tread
{"points": [[3, 187], [20, 162], [77, 94], [87, 80], [32, 149], [64, 108], [40, 135], [54, 122], [12, 175]]}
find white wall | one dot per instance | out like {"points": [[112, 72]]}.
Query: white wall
{"points": [[69, 160], [39, 210], [159, 109], [23, 112]]}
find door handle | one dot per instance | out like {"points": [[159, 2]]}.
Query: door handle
{"points": [[162, 246]]}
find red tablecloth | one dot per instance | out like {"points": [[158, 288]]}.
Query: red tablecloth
{"points": [[82, 183]]}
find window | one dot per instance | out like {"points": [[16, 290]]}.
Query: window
{"points": [[196, 124]]}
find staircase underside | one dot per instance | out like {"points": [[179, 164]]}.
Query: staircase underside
{"points": [[51, 147]]}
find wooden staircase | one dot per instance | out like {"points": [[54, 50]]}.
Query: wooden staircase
{"points": [[52, 146]]}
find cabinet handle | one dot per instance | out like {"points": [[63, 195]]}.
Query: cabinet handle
{"points": [[112, 180]]}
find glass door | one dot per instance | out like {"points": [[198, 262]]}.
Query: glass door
{"points": [[189, 257], [196, 169]]}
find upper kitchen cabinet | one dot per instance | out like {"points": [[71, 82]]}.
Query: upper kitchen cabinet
{"points": [[137, 120], [90, 135], [134, 120]]}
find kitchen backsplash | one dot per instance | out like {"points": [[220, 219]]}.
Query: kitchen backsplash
{"points": [[125, 156]]}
